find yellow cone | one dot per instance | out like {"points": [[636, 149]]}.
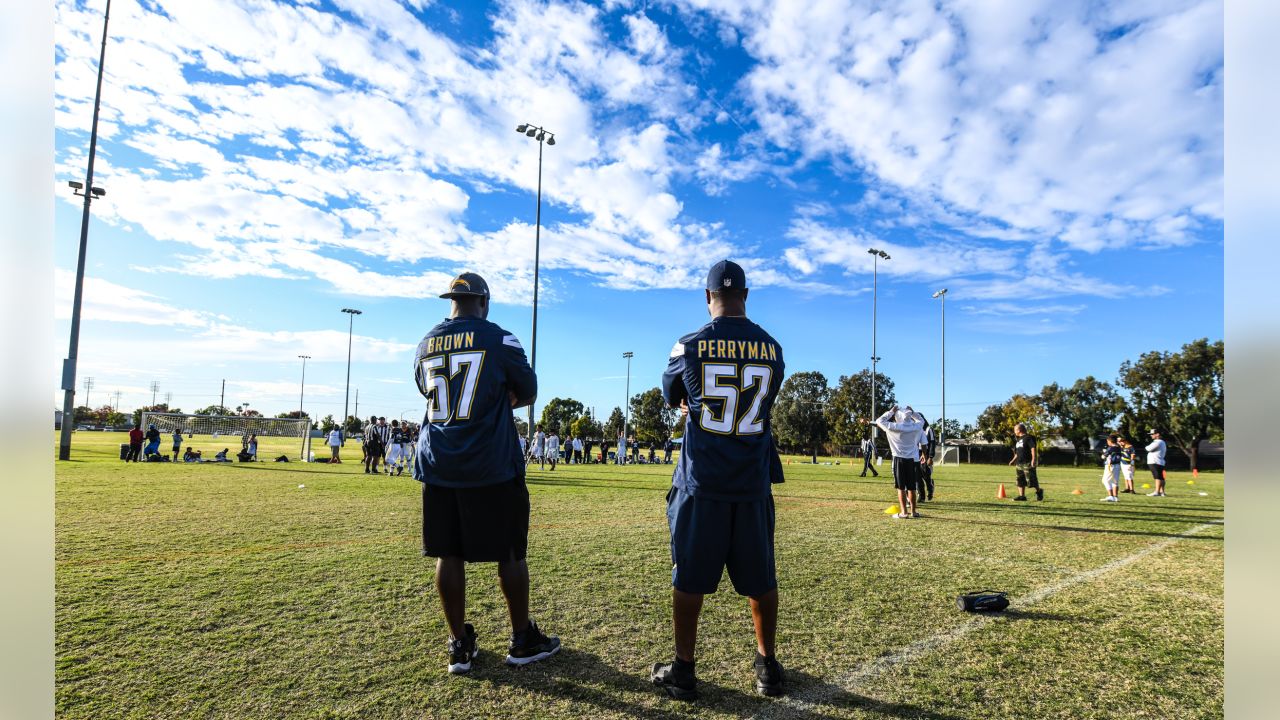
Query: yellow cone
{"points": [[891, 510], [1191, 482], [1146, 486]]}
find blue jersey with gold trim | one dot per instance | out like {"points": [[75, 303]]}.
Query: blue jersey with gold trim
{"points": [[729, 372], [465, 367]]}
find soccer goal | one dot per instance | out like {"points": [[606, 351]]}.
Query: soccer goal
{"points": [[211, 434], [950, 455]]}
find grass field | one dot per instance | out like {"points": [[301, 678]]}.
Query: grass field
{"points": [[206, 591]]}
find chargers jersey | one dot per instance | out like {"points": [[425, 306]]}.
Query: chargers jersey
{"points": [[465, 367], [729, 371]]}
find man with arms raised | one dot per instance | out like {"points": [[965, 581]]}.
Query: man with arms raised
{"points": [[475, 506], [902, 428], [720, 506]]}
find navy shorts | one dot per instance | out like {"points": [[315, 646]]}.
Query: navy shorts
{"points": [[708, 535], [489, 523]]}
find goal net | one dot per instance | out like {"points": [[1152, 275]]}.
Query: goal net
{"points": [[949, 455], [211, 434]]}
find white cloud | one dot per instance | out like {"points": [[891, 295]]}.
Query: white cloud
{"points": [[1097, 125]]}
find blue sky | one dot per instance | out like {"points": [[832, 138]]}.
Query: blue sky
{"points": [[1056, 165]]}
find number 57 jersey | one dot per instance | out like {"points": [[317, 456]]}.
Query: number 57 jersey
{"points": [[729, 371], [465, 368]]}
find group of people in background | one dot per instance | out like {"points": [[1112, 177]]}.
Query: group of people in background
{"points": [[1120, 460], [145, 447], [547, 448], [392, 445]]}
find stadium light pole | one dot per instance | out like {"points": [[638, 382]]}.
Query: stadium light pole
{"points": [[876, 255], [302, 415], [342, 424], [91, 194], [543, 136], [626, 405], [942, 434]]}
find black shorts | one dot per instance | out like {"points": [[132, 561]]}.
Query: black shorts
{"points": [[905, 473], [482, 524], [1157, 472]]}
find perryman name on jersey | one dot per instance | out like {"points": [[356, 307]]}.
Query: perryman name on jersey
{"points": [[718, 349]]}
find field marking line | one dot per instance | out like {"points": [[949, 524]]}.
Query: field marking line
{"points": [[800, 703]]}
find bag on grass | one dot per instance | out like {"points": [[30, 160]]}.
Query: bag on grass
{"points": [[983, 601]]}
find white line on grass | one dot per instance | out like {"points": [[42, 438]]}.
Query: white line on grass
{"points": [[799, 703]]}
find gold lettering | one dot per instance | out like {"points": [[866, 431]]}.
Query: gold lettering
{"points": [[471, 339], [702, 348], [720, 352], [753, 351], [732, 349], [773, 352]]}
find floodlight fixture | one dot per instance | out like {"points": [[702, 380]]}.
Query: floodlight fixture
{"points": [[531, 132], [940, 293], [521, 127], [75, 185], [98, 192], [544, 137], [551, 140]]}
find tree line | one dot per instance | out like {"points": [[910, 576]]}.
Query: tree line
{"points": [[1179, 393]]}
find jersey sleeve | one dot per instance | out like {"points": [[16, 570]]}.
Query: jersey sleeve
{"points": [[673, 387], [519, 376]]}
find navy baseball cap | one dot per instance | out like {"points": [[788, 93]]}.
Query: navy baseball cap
{"points": [[468, 284], [726, 274]]}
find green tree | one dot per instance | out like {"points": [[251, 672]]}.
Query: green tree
{"points": [[850, 400], [613, 425], [213, 410], [995, 424], [158, 407], [327, 423], [586, 427], [352, 426], [560, 414], [522, 427], [954, 429], [1179, 394], [651, 419], [800, 414], [1083, 411], [83, 414]]}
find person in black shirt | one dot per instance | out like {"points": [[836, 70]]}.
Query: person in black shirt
{"points": [[1026, 459], [475, 505], [725, 378]]}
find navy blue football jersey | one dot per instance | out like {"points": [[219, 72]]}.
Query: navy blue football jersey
{"points": [[729, 371], [465, 367]]}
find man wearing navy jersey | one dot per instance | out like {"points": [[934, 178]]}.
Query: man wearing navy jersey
{"points": [[725, 378], [475, 506]]}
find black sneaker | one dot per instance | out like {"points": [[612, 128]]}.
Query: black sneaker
{"points": [[1022, 498], [769, 678], [462, 652], [678, 680], [531, 646], [1039, 494]]}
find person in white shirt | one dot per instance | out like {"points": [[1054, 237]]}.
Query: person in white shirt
{"points": [[902, 429], [577, 450], [620, 457], [335, 442], [868, 460], [1155, 460], [539, 445], [553, 448]]}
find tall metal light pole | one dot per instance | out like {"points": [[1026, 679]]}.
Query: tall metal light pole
{"points": [[942, 434], [626, 413], [88, 385], [876, 255], [542, 135], [73, 351], [342, 424], [155, 387], [302, 415]]}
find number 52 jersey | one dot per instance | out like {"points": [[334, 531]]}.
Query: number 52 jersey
{"points": [[464, 368], [729, 371]]}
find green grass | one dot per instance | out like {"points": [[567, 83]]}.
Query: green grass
{"points": [[229, 591]]}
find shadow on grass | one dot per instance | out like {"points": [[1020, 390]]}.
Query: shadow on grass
{"points": [[803, 687], [583, 678], [1069, 528], [1111, 513]]}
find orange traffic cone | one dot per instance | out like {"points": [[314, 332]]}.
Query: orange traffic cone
{"points": [[1077, 491], [1000, 493]]}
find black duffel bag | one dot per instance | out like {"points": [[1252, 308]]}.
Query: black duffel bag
{"points": [[983, 601]]}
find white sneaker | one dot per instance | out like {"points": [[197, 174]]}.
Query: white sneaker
{"points": [[1154, 494], [901, 516], [1112, 498]]}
